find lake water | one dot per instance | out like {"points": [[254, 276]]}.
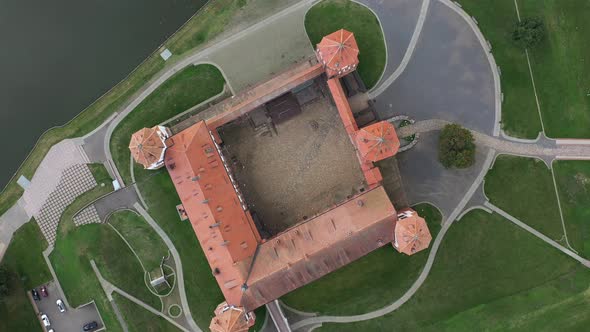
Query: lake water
{"points": [[58, 56]]}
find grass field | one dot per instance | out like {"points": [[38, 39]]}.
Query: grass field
{"points": [[332, 15], [496, 19], [185, 89], [367, 284], [524, 188], [216, 17], [202, 290], [491, 275], [140, 320], [27, 268], [141, 236], [561, 65], [573, 183]]}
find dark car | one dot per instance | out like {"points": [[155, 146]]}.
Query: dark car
{"points": [[44, 291], [35, 295], [90, 326]]}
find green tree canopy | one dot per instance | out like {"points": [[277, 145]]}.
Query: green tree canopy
{"points": [[528, 32], [456, 147]]}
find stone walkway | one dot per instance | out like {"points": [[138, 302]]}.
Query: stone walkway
{"points": [[545, 149], [48, 175], [73, 182]]}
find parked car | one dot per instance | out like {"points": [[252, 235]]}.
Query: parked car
{"points": [[90, 326], [44, 291], [35, 294], [45, 320], [51, 330], [60, 305]]}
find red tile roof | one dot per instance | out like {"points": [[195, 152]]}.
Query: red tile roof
{"points": [[146, 146], [338, 52], [225, 230], [377, 141], [411, 233], [319, 246], [231, 319]]}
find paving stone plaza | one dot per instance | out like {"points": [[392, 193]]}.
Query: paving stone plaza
{"points": [[74, 181]]}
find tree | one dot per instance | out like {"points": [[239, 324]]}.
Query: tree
{"points": [[528, 32], [4, 278], [456, 147]]}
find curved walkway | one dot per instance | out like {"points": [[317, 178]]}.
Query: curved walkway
{"points": [[292, 20], [382, 86], [179, 270]]}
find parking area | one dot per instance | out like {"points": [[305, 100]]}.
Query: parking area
{"points": [[70, 321]]}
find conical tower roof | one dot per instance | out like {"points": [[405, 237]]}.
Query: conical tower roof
{"points": [[377, 141], [338, 52], [147, 147], [230, 319], [411, 233]]}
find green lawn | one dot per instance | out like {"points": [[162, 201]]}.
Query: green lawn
{"points": [[491, 275], [203, 293], [496, 19], [573, 183], [367, 284], [260, 318], [214, 18], [185, 89], [116, 262], [27, 268], [524, 188], [140, 320], [141, 236], [332, 15], [561, 65]]}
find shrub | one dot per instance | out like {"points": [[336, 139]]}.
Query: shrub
{"points": [[4, 278], [456, 147], [528, 32]]}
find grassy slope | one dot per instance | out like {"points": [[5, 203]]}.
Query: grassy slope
{"points": [[145, 241], [524, 188], [140, 320], [215, 17], [573, 183], [24, 261], [368, 283], [482, 260], [185, 89], [496, 20], [260, 318], [561, 65], [202, 290], [332, 15]]}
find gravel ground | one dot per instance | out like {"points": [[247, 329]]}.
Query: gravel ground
{"points": [[309, 166]]}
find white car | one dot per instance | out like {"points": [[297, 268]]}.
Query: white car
{"points": [[60, 306], [45, 320]]}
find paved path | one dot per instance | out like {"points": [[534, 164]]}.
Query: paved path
{"points": [[109, 288], [545, 149], [10, 221], [178, 263], [538, 234], [385, 11], [278, 317]]}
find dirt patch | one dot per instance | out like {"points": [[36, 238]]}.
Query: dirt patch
{"points": [[306, 167]]}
